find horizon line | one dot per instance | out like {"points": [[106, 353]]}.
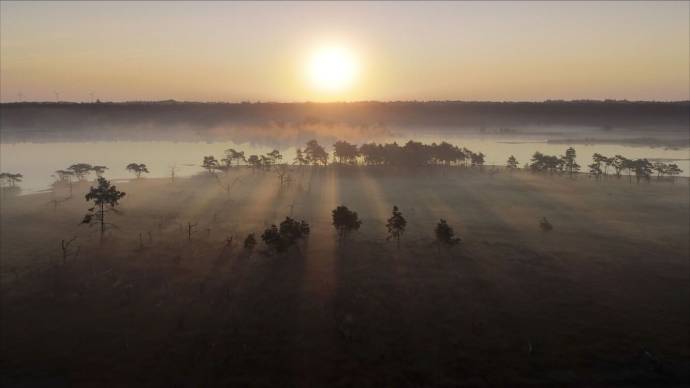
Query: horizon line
{"points": [[258, 102]]}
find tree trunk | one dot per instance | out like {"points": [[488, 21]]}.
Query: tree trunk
{"points": [[102, 223]]}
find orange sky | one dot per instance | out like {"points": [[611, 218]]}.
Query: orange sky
{"points": [[404, 51]]}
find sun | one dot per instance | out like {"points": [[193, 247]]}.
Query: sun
{"points": [[332, 69]]}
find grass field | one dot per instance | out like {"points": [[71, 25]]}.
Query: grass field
{"points": [[603, 299]]}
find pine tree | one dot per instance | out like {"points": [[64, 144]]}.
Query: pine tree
{"points": [[396, 225]]}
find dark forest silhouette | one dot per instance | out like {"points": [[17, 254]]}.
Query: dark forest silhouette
{"points": [[24, 120]]}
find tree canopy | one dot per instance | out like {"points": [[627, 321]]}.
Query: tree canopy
{"points": [[445, 234], [283, 237], [137, 169], [345, 220]]}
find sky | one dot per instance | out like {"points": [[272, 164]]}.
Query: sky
{"points": [[215, 51]]}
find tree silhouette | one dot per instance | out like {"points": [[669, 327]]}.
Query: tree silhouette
{"points": [[545, 225], [102, 195], [231, 155], [210, 163], [137, 169], [190, 229], [416, 154], [608, 162], [345, 221], [595, 170], [64, 247], [372, 153], [445, 234], [10, 178], [600, 160], [396, 225], [345, 152], [80, 170], [254, 161], [512, 163], [412, 154], [315, 153], [65, 177], [672, 170], [446, 154], [283, 237], [627, 164], [569, 161], [99, 170], [543, 163], [274, 157], [250, 242], [642, 168], [477, 159], [660, 168], [619, 163], [300, 159]]}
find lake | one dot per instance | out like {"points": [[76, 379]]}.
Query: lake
{"points": [[37, 161]]}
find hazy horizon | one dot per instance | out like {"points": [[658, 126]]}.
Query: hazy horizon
{"points": [[278, 52], [419, 101]]}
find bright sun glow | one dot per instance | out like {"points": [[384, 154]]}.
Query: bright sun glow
{"points": [[333, 69]]}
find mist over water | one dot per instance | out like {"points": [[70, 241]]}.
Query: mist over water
{"points": [[39, 155]]}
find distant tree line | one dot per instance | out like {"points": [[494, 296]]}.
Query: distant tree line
{"points": [[410, 154], [455, 115], [641, 169]]}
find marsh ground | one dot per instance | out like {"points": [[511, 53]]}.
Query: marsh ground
{"points": [[600, 300]]}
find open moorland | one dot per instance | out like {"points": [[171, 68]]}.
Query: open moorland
{"points": [[172, 298]]}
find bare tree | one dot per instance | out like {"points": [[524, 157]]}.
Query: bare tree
{"points": [[173, 168], [283, 172], [64, 247], [190, 230]]}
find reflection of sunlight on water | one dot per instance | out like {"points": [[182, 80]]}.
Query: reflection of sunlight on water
{"points": [[38, 161]]}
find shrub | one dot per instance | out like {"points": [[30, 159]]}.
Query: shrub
{"points": [[283, 237]]}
